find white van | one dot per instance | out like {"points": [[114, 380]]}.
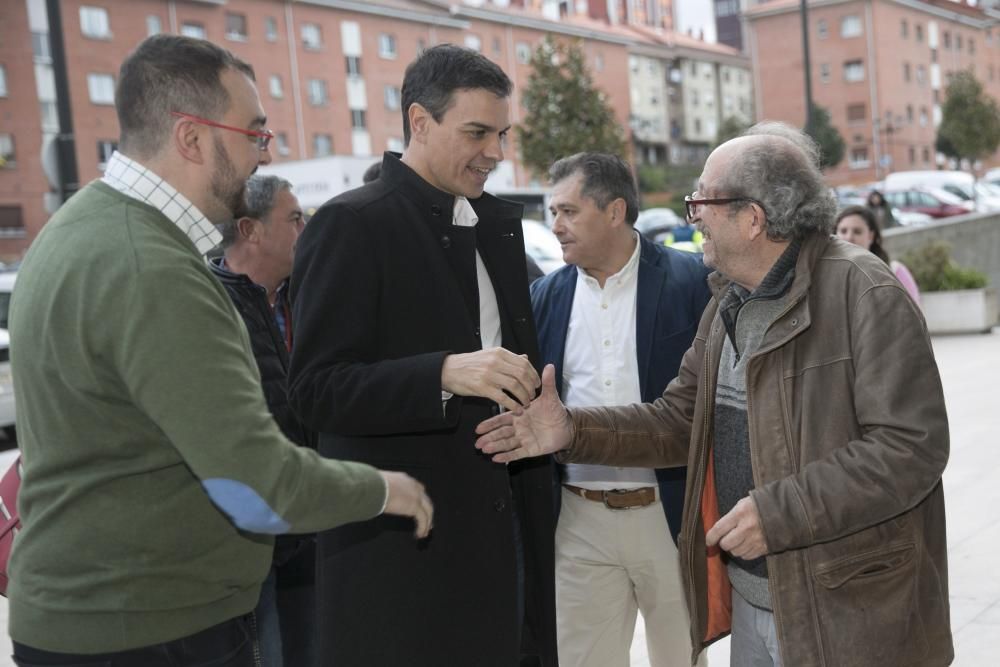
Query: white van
{"points": [[962, 184]]}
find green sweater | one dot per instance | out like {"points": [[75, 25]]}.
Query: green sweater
{"points": [[146, 440]]}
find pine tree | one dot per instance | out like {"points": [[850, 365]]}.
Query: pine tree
{"points": [[831, 144], [566, 113], [970, 120]]}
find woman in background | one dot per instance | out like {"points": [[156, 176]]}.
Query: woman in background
{"points": [[857, 225]]}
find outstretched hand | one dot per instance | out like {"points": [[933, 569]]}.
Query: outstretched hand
{"points": [[543, 427]]}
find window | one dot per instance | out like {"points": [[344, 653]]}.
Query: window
{"points": [[946, 39], [856, 113], [40, 47], [11, 222], [101, 88], [94, 22], [599, 63], [858, 158], [850, 26], [921, 75], [317, 92], [694, 98], [154, 26], [353, 65], [909, 113], [387, 46], [358, 119], [391, 95], [972, 46], [105, 147], [918, 32], [281, 139], [923, 116], [276, 87], [697, 125], [473, 42], [958, 42], [926, 155], [694, 68], [906, 72], [821, 30], [904, 29], [421, 46], [3, 81], [8, 156], [191, 29], [496, 46], [854, 70], [913, 155], [236, 27], [312, 36], [394, 144], [523, 53], [322, 145], [726, 8], [271, 29], [934, 55]]}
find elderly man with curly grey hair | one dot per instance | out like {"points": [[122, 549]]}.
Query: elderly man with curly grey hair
{"points": [[810, 414]]}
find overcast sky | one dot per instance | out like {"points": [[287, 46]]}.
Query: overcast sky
{"points": [[697, 15]]}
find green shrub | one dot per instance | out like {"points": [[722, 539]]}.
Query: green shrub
{"points": [[934, 270]]}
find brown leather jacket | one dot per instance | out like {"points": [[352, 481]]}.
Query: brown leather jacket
{"points": [[848, 439]]}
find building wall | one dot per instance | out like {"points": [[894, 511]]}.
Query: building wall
{"points": [[22, 183], [648, 82], [283, 54], [701, 103], [888, 117]]}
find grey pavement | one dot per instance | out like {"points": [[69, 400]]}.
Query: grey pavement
{"points": [[970, 368]]}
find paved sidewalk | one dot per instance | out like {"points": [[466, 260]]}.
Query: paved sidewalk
{"points": [[970, 370]]}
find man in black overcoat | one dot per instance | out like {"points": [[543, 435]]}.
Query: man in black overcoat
{"points": [[413, 324]]}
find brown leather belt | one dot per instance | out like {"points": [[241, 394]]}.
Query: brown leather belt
{"points": [[617, 499]]}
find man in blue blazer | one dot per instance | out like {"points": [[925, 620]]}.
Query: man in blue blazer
{"points": [[615, 322]]}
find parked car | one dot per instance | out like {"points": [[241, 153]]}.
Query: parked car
{"points": [[931, 201], [992, 176], [6, 383], [656, 223], [961, 184], [542, 245]]}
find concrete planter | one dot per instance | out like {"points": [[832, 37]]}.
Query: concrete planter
{"points": [[961, 311]]}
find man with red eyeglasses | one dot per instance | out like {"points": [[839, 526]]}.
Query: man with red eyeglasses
{"points": [[810, 415], [154, 476]]}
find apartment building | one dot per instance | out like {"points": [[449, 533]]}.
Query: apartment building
{"points": [[681, 89], [879, 66]]}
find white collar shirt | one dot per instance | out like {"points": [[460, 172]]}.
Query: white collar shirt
{"points": [[489, 311], [134, 180], [600, 365]]}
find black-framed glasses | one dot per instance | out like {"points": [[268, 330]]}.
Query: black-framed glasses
{"points": [[263, 137], [692, 201]]}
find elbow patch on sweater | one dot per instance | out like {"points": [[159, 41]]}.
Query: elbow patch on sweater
{"points": [[244, 506]]}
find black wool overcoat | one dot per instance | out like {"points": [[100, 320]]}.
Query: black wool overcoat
{"points": [[384, 287]]}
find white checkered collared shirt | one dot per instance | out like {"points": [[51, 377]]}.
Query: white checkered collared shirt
{"points": [[136, 181]]}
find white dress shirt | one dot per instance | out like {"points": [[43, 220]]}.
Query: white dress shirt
{"points": [[600, 366], [489, 311]]}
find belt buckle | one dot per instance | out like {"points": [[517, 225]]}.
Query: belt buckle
{"points": [[616, 492]]}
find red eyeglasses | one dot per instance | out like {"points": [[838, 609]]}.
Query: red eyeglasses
{"points": [[263, 137]]}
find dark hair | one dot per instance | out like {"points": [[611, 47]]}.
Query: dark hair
{"points": [[438, 72], [170, 73], [258, 200], [871, 194], [606, 178], [866, 214], [782, 173]]}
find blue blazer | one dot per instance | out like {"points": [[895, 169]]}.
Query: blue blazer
{"points": [[672, 293]]}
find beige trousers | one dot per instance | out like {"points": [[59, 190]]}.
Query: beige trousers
{"points": [[611, 564]]}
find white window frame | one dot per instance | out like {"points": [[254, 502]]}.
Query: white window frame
{"points": [[473, 42], [101, 88], [194, 29], [317, 92], [154, 25], [276, 87], [851, 26], [281, 143], [312, 36], [392, 97], [854, 71], [236, 36], [522, 51], [387, 46], [8, 152], [315, 146], [853, 162], [95, 22], [270, 29], [3, 81]]}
